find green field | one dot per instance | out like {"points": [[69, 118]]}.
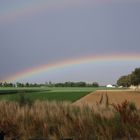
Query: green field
{"points": [[58, 94], [47, 93]]}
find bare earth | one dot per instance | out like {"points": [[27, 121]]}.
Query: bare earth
{"points": [[103, 97]]}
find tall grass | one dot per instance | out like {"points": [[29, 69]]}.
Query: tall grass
{"points": [[54, 120]]}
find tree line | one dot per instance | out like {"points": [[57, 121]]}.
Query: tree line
{"points": [[75, 84], [6, 84], [50, 84], [131, 79]]}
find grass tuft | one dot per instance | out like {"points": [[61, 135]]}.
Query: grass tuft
{"points": [[55, 120]]}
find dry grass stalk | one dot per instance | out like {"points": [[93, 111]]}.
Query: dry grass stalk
{"points": [[55, 120]]}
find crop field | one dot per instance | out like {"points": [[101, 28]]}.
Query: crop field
{"points": [[56, 93], [57, 120], [108, 97]]}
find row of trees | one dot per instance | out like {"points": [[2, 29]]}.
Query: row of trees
{"points": [[76, 84], [50, 84], [130, 79], [6, 84]]}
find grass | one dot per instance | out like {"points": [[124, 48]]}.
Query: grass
{"points": [[58, 94], [54, 120], [48, 93]]}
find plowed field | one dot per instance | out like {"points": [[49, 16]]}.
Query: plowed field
{"points": [[103, 97]]}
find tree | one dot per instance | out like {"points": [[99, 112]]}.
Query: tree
{"points": [[19, 84], [5, 84], [1, 84], [124, 81], [95, 84], [135, 77], [131, 79], [80, 84]]}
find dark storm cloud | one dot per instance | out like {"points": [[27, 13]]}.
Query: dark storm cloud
{"points": [[54, 35]]}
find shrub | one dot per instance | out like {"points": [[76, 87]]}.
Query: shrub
{"points": [[24, 100], [132, 106]]}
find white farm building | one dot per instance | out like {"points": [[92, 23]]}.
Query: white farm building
{"points": [[110, 86]]}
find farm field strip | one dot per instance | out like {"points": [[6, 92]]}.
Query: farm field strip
{"points": [[104, 97], [58, 94], [48, 93]]}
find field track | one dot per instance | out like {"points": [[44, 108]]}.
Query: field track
{"points": [[104, 97]]}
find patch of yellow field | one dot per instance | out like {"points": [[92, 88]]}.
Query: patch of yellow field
{"points": [[103, 97]]}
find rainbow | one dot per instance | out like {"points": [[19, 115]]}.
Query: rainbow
{"points": [[100, 59], [17, 10]]}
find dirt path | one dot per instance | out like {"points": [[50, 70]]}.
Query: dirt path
{"points": [[103, 98]]}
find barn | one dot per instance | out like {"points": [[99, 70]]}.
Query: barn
{"points": [[110, 86]]}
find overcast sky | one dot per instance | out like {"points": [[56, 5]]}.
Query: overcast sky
{"points": [[34, 32]]}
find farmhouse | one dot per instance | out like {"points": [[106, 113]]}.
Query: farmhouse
{"points": [[110, 86]]}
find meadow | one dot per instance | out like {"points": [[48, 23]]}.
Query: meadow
{"points": [[51, 113], [57, 120], [46, 93]]}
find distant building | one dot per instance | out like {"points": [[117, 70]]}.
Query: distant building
{"points": [[110, 86]]}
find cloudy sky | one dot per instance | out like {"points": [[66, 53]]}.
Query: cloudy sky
{"points": [[38, 32]]}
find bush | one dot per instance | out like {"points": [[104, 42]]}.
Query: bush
{"points": [[132, 106], [24, 100]]}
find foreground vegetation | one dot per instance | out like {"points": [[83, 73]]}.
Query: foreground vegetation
{"points": [[54, 120]]}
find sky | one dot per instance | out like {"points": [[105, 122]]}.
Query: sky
{"points": [[35, 33]]}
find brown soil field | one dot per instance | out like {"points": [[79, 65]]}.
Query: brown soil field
{"points": [[103, 97]]}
